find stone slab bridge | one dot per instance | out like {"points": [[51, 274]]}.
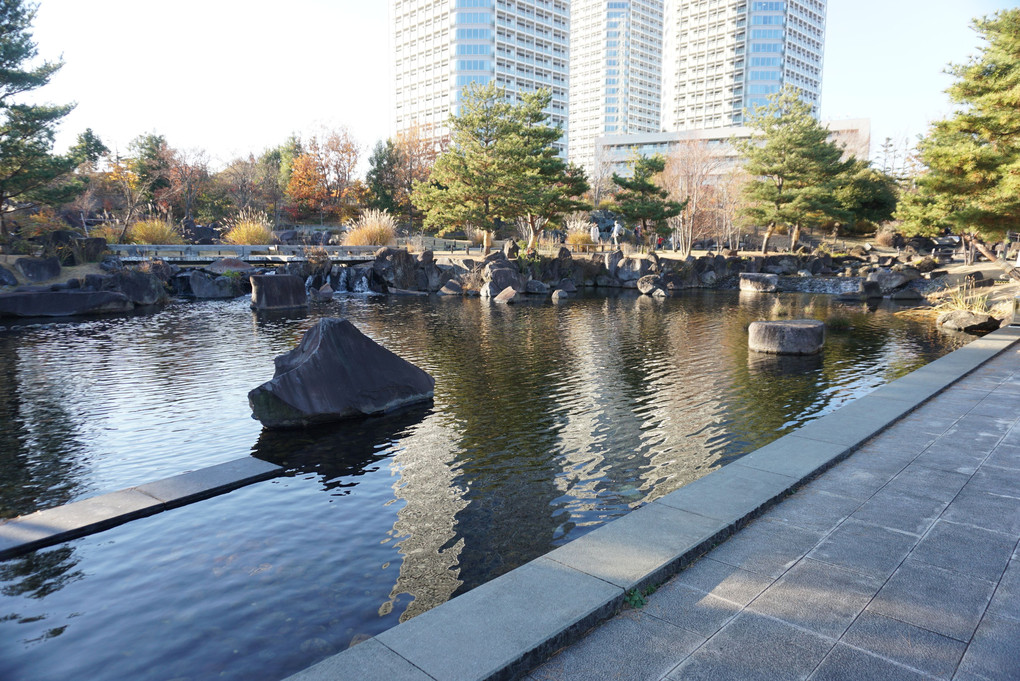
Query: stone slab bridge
{"points": [[254, 255]]}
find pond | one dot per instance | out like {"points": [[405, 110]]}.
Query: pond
{"points": [[547, 422]]}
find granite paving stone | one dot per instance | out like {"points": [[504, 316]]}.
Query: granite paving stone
{"points": [[492, 628], [818, 597], [844, 663], [766, 548], [996, 480], [812, 510], [724, 581], [1006, 601], [730, 493], [886, 548], [691, 609], [752, 648], [1005, 456], [935, 599], [933, 483], [926, 421], [642, 546], [630, 647], [907, 511], [857, 478], [965, 549], [906, 644], [951, 457], [794, 456], [373, 660], [985, 509], [994, 654]]}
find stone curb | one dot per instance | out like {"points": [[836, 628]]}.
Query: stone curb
{"points": [[505, 627], [80, 518]]}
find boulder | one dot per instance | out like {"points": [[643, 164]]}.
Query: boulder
{"points": [[969, 322], [7, 277], [560, 296], [277, 292], [205, 286], [536, 287], [426, 258], [141, 288], [365, 279], [871, 289], [659, 293], [761, 282], [567, 285], [502, 273], [285, 236], [709, 278], [111, 263], [62, 303], [161, 269], [396, 267], [507, 296], [613, 261], [451, 288], [510, 249], [225, 265], [888, 280], [38, 269], [649, 283], [324, 292], [632, 269], [907, 295], [335, 373], [489, 290], [787, 337]]}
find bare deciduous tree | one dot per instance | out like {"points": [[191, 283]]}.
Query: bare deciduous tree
{"points": [[689, 172]]}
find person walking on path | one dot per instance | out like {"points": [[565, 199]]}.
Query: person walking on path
{"points": [[617, 231]]}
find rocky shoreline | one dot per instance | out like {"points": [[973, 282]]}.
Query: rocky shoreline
{"points": [[503, 276]]}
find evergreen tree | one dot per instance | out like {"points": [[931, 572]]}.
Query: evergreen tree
{"points": [[972, 181], [382, 176], [867, 194], [499, 160], [794, 169], [28, 168], [641, 200]]}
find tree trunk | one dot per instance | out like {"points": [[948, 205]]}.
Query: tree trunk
{"points": [[794, 237], [765, 239], [486, 242], [533, 233], [1011, 271]]}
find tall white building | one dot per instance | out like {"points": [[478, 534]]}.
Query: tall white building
{"points": [[442, 45], [722, 57], [615, 71]]}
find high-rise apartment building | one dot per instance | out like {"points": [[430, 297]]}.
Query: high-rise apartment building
{"points": [[443, 45], [722, 57], [615, 71]]}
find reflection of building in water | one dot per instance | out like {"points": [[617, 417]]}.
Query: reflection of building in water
{"points": [[425, 525]]}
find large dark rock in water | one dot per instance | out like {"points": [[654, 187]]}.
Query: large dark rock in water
{"points": [[62, 303], [7, 277], [141, 288], [38, 269], [277, 292], [335, 373]]}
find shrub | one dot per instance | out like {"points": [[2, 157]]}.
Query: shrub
{"points": [[42, 222], [373, 228], [108, 231], [155, 231], [579, 230], [886, 238], [249, 227]]}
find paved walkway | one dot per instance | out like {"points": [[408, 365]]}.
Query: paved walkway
{"points": [[900, 562]]}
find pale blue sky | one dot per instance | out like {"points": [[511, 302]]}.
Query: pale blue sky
{"points": [[233, 77]]}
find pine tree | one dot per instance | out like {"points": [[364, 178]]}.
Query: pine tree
{"points": [[972, 178], [794, 169], [28, 168], [382, 177], [501, 165], [641, 200]]}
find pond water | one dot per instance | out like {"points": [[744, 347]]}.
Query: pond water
{"points": [[547, 422]]}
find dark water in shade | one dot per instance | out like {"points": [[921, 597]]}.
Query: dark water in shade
{"points": [[547, 422]]}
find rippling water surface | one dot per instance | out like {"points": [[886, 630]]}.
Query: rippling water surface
{"points": [[547, 422]]}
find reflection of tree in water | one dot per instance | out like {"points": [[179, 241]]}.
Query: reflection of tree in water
{"points": [[773, 395], [39, 439], [39, 573]]}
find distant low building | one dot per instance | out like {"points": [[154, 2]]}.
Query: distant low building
{"points": [[853, 134]]}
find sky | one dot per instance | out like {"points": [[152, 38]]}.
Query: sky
{"points": [[233, 78]]}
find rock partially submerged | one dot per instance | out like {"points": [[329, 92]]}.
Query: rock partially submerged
{"points": [[336, 373], [790, 337], [277, 292], [969, 322]]}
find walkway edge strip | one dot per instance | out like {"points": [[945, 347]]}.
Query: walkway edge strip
{"points": [[505, 627], [37, 530]]}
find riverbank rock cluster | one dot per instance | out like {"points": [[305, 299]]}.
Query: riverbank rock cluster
{"points": [[117, 289]]}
